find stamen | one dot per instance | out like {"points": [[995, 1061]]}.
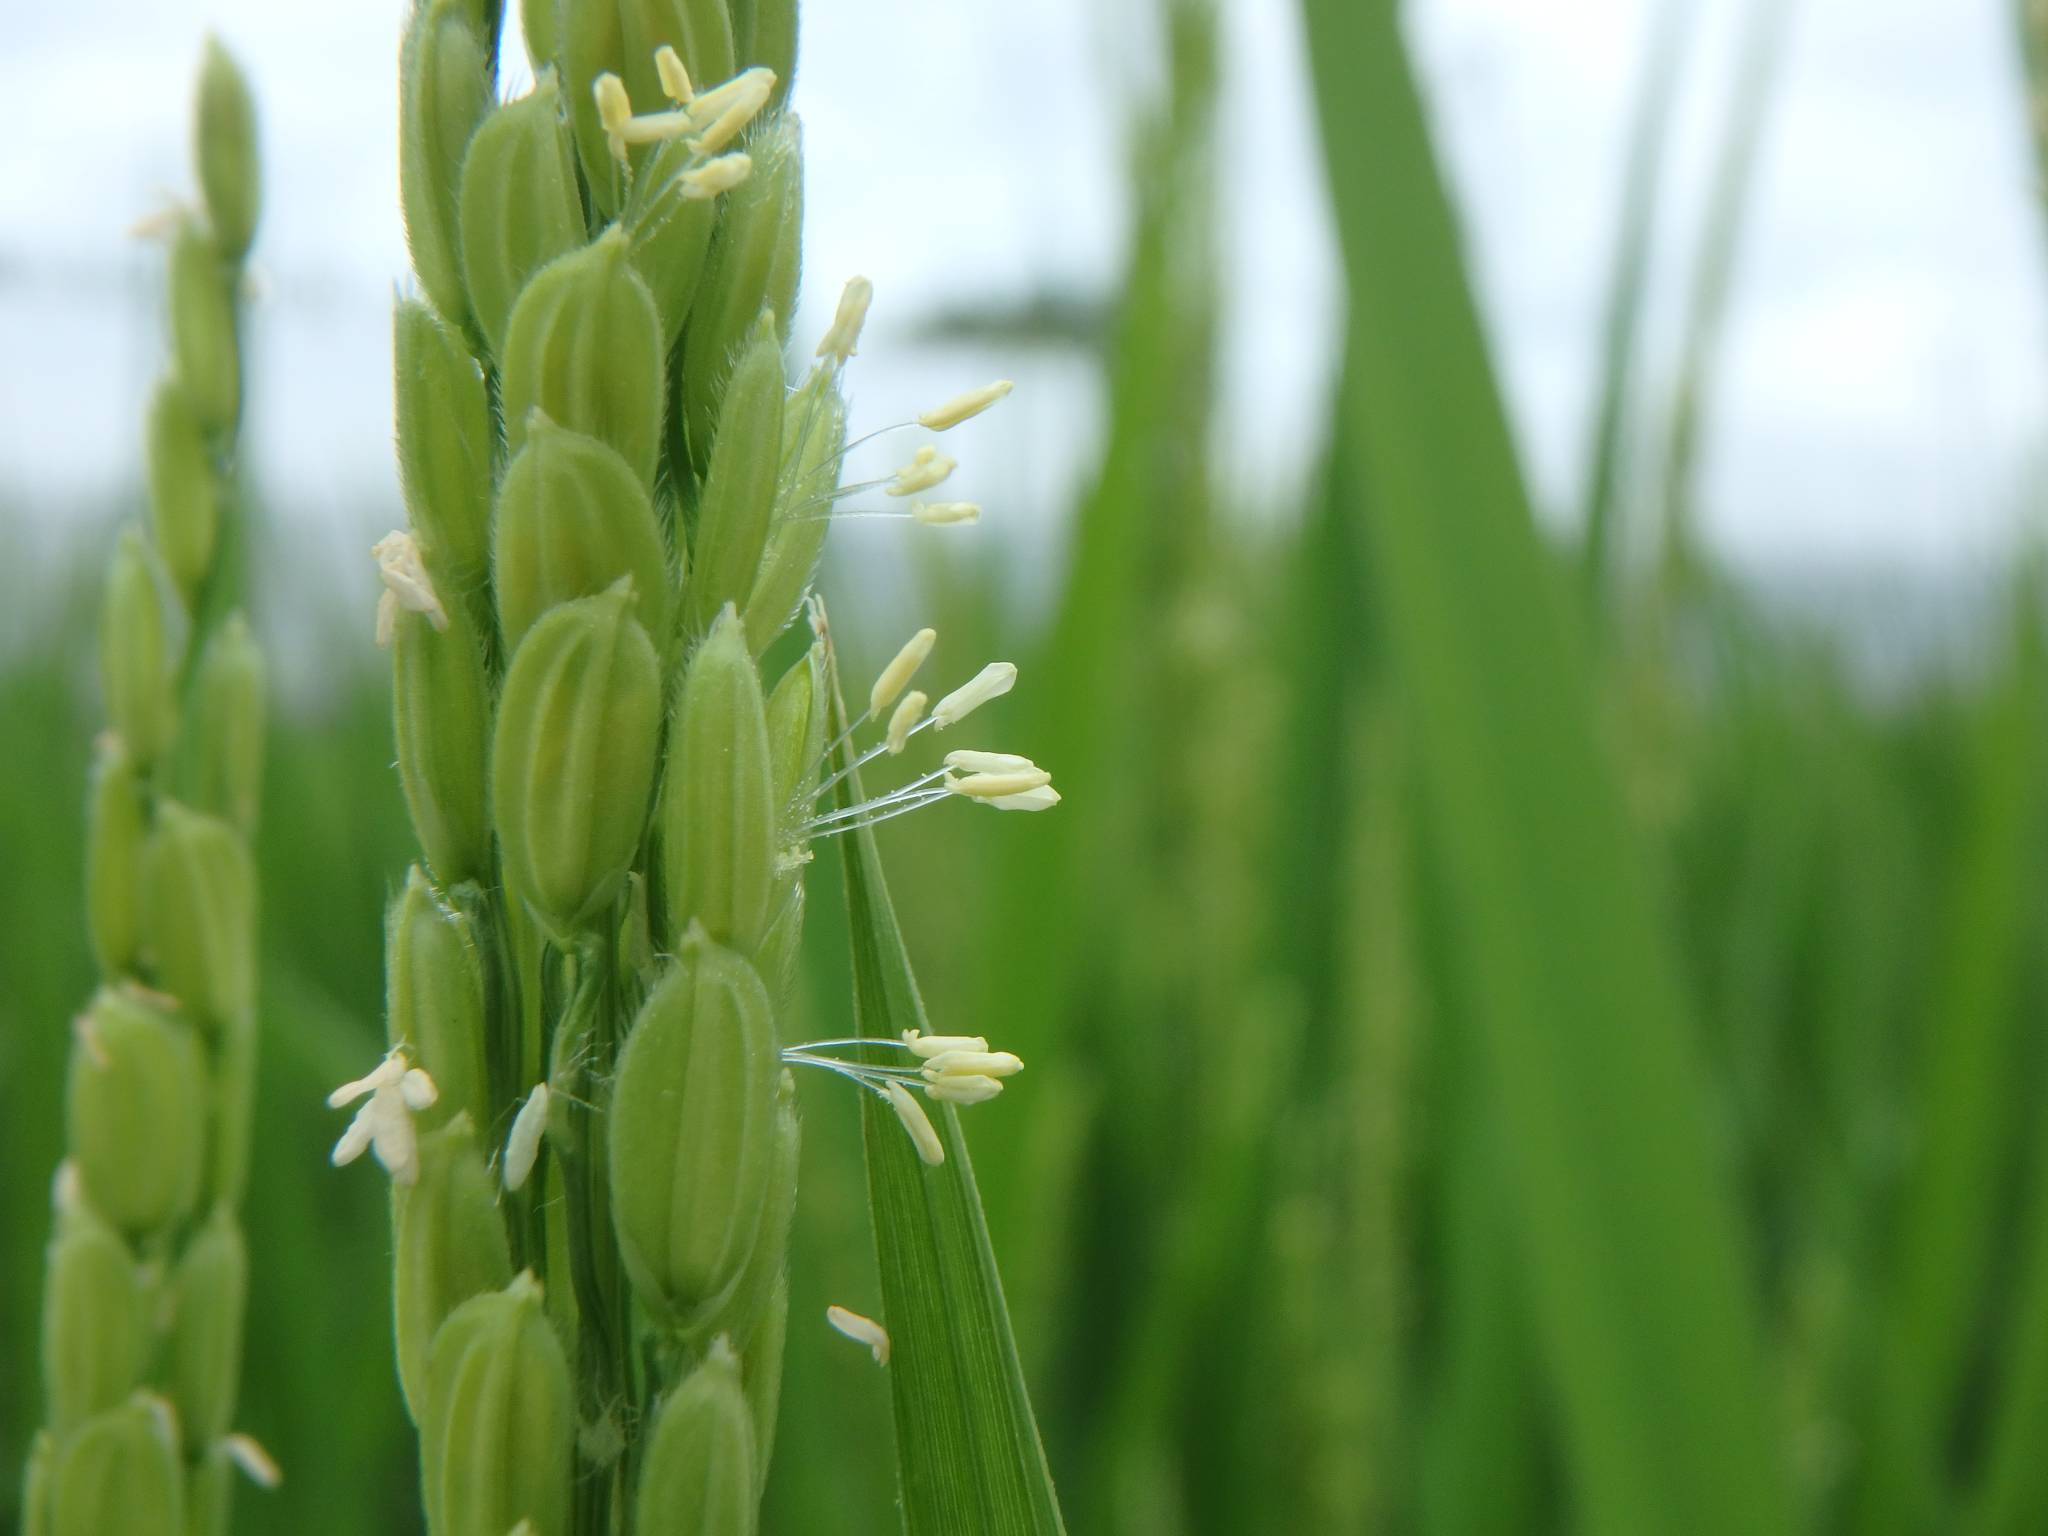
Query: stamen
{"points": [[969, 1088], [927, 467], [675, 80], [908, 713], [904, 809], [940, 514], [406, 581], [257, 1464], [842, 337], [756, 85], [917, 1124], [963, 407], [716, 176], [993, 786], [862, 1330], [654, 127], [614, 110], [972, 1063], [991, 682], [929, 1046], [522, 1146], [989, 762], [902, 667], [1043, 798]]}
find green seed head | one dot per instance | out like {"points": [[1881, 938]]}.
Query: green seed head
{"points": [[205, 1346], [588, 35], [199, 913], [813, 432], [135, 653], [209, 1493], [699, 1473], [761, 1367], [442, 704], [434, 996], [96, 1338], [444, 441], [671, 235], [35, 1485], [692, 1142], [796, 735], [113, 859], [450, 1245], [519, 209], [120, 1472], [700, 31], [226, 742], [718, 821], [753, 266], [208, 363], [224, 148], [585, 346], [782, 945], [537, 21], [572, 519], [136, 1110], [739, 492], [184, 497], [499, 1431], [444, 89], [768, 1264], [574, 758], [764, 33]]}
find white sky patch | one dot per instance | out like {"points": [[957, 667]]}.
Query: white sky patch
{"points": [[1886, 371]]}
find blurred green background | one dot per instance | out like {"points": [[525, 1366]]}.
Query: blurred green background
{"points": [[1528, 1029]]}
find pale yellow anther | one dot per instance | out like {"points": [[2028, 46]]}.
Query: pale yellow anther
{"points": [[961, 407], [989, 762], [972, 1064], [862, 1330], [842, 337], [730, 123], [1043, 798], [928, 1046], [654, 127], [991, 682], [257, 1464], [917, 1123], [522, 1145], [896, 676], [396, 1091], [754, 86], [907, 714], [941, 514], [969, 1088], [675, 80], [407, 585], [927, 467], [993, 786], [716, 176], [614, 111]]}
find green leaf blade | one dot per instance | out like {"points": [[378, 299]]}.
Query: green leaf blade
{"points": [[967, 1448]]}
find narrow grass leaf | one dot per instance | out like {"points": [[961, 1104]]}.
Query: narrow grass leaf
{"points": [[967, 1447], [1626, 1230]]}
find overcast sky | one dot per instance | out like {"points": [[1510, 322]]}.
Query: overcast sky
{"points": [[1884, 389]]}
